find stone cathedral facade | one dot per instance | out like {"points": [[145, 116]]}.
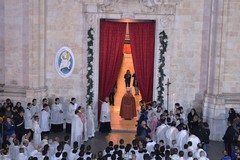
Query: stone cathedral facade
{"points": [[202, 58]]}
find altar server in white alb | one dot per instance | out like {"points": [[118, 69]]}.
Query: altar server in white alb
{"points": [[182, 137], [36, 110], [90, 120], [44, 101], [171, 134], [28, 118], [105, 117], [57, 116], [36, 131], [76, 129], [70, 113], [44, 119]]}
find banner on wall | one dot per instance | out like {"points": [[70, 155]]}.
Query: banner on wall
{"points": [[64, 62]]}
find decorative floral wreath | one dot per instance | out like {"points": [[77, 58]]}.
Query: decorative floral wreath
{"points": [[163, 38], [89, 75]]}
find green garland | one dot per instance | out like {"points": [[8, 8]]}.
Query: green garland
{"points": [[163, 38], [89, 75]]}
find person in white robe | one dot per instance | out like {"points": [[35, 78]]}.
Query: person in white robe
{"points": [[14, 149], [182, 137], [21, 155], [36, 110], [44, 120], [150, 144], [77, 129], [70, 113], [82, 117], [57, 116], [160, 131], [105, 117], [28, 117], [90, 120], [36, 131], [197, 153], [171, 134], [195, 140], [44, 102]]}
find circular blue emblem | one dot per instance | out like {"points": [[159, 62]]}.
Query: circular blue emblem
{"points": [[64, 62]]}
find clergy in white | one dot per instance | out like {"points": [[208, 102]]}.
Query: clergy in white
{"points": [[171, 134], [90, 120], [28, 117], [70, 113], [57, 116], [77, 129], [161, 130], [44, 119], [36, 131], [195, 140], [105, 117], [182, 137], [36, 110]]}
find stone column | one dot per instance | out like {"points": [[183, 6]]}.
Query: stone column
{"points": [[37, 48], [2, 46], [217, 99]]}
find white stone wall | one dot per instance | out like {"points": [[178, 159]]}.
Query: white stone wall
{"points": [[202, 59], [64, 27], [185, 51]]}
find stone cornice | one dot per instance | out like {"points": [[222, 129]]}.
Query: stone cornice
{"points": [[126, 7]]}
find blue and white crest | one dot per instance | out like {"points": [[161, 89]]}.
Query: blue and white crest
{"points": [[64, 62]]}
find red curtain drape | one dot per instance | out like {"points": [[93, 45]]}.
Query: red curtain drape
{"points": [[112, 35], [142, 45]]}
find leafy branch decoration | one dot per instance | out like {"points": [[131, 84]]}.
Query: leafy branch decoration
{"points": [[163, 38], [89, 75]]}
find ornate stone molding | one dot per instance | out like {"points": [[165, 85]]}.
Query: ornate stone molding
{"points": [[107, 5], [91, 20], [165, 20], [148, 5], [155, 7]]}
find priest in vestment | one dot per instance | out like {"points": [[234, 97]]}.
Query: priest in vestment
{"points": [[128, 105]]}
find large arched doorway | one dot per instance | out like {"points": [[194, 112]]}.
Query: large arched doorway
{"points": [[112, 37]]}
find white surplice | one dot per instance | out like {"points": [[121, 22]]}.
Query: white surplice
{"points": [[195, 140], [77, 130], [160, 133], [70, 112], [44, 120], [57, 114], [28, 119], [171, 134], [90, 121], [105, 112], [182, 138], [36, 133], [36, 109]]}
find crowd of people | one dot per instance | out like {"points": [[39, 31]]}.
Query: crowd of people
{"points": [[177, 134], [25, 130], [231, 137], [160, 134]]}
